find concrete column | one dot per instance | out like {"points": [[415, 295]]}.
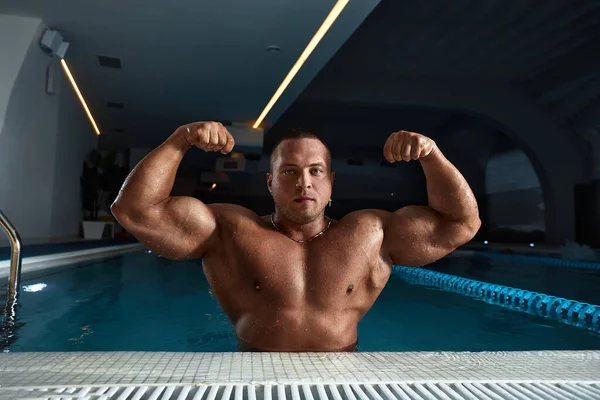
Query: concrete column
{"points": [[587, 125], [16, 35]]}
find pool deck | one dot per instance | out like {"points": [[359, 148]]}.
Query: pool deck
{"points": [[102, 368], [549, 371]]}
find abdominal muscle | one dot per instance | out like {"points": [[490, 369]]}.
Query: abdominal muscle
{"points": [[298, 330]]}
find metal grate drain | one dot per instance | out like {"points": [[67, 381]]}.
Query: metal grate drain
{"points": [[393, 391]]}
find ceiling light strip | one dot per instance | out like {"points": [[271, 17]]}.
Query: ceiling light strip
{"points": [[87, 110], [335, 12]]}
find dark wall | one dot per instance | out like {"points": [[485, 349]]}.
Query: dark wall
{"points": [[587, 213]]}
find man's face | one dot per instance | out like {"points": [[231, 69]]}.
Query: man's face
{"points": [[300, 179]]}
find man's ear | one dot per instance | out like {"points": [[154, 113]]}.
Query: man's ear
{"points": [[269, 182], [332, 177]]}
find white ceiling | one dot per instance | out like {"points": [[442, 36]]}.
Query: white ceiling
{"points": [[192, 60], [185, 60]]}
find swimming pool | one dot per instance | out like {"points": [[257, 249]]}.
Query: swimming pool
{"points": [[141, 302], [572, 283]]}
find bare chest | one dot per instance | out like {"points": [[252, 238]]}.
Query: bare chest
{"points": [[342, 266]]}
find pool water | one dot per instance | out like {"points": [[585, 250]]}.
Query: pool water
{"points": [[140, 302]]}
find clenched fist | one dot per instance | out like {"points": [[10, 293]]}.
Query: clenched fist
{"points": [[406, 146], [209, 136]]}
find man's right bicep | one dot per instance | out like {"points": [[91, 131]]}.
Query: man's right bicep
{"points": [[178, 228]]}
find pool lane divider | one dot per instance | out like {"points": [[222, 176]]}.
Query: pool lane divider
{"points": [[571, 312]]}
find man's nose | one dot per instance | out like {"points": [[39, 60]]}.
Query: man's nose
{"points": [[303, 181]]}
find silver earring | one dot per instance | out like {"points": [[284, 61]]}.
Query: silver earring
{"points": [[329, 202]]}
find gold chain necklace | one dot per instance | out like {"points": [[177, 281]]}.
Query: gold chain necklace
{"points": [[302, 241]]}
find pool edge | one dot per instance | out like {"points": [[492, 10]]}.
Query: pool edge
{"points": [[44, 263], [59, 369]]}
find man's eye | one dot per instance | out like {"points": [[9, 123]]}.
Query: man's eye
{"points": [[288, 172], [317, 172]]}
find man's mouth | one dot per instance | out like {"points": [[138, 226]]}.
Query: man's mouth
{"points": [[303, 200]]}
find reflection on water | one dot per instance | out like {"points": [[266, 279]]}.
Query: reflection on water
{"points": [[86, 331], [211, 339], [9, 323], [34, 288], [144, 303]]}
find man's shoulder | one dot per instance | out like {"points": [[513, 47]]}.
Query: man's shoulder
{"points": [[233, 213], [370, 215]]}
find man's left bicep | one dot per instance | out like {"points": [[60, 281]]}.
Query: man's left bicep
{"points": [[415, 236]]}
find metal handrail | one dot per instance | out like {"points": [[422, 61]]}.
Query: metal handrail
{"points": [[10, 311], [15, 257]]}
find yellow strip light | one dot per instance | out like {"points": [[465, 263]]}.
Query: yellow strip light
{"points": [[335, 12], [83, 103]]}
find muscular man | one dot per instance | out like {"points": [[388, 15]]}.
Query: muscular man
{"points": [[295, 280]]}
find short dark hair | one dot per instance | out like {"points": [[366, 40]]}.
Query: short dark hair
{"points": [[299, 133]]}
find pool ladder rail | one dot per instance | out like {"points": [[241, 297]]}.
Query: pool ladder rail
{"points": [[13, 279]]}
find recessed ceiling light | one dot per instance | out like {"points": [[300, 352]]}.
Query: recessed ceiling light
{"points": [[109, 62], [273, 49], [114, 104]]}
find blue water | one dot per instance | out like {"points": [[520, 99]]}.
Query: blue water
{"points": [[140, 302]]}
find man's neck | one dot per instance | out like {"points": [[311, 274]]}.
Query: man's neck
{"points": [[300, 231]]}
